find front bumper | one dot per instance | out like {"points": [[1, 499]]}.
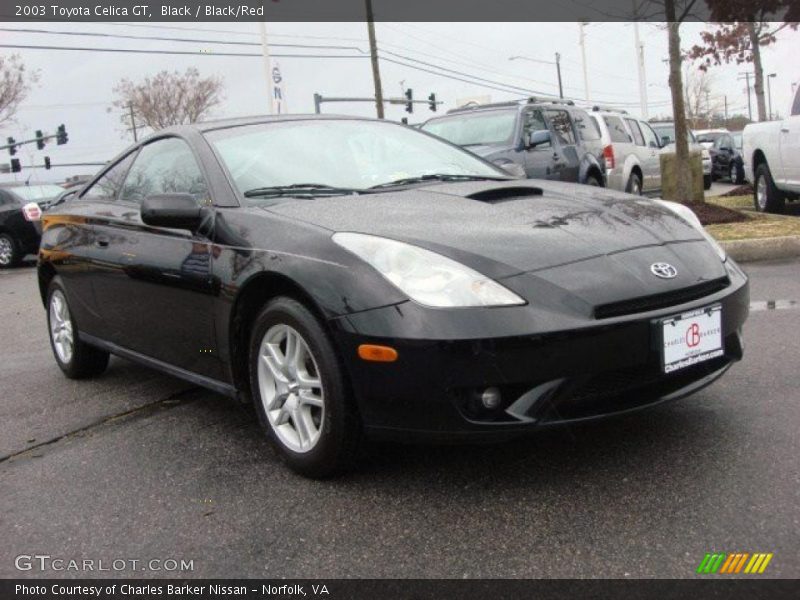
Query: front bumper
{"points": [[546, 377]]}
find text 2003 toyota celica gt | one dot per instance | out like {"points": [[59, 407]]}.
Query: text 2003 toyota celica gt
{"points": [[356, 277]]}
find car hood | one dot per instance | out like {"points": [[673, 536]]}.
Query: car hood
{"points": [[502, 228]]}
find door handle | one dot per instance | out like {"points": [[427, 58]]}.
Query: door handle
{"points": [[556, 157], [101, 241], [784, 130]]}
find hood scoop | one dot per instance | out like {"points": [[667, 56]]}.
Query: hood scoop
{"points": [[497, 195]]}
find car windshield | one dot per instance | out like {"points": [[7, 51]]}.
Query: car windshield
{"points": [[666, 133], [31, 193], [475, 129], [709, 138], [329, 156]]}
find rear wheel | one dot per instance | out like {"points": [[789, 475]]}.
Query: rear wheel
{"points": [[300, 392], [77, 359], [10, 254], [593, 180], [766, 196], [634, 185], [737, 174]]}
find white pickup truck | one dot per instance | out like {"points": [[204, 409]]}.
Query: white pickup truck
{"points": [[771, 155]]}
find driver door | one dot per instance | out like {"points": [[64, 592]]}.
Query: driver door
{"points": [[155, 287], [542, 160]]}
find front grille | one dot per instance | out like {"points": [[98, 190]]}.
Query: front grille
{"points": [[656, 301]]}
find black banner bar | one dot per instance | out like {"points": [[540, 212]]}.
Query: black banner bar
{"points": [[417, 589], [391, 10]]}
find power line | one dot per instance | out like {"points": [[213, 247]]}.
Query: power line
{"points": [[173, 52], [172, 39]]}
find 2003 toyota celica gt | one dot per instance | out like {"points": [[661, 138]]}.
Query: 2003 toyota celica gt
{"points": [[356, 277]]}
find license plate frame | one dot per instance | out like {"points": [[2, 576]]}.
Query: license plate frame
{"points": [[690, 338]]}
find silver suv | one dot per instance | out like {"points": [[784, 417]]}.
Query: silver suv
{"points": [[631, 151]]}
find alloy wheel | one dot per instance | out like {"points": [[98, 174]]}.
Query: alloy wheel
{"points": [[291, 388], [61, 327], [6, 251]]}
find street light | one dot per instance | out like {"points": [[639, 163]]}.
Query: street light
{"points": [[557, 63], [769, 93]]}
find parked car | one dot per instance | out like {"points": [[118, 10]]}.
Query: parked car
{"points": [[726, 159], [20, 208], [631, 152], [358, 277], [666, 132], [707, 137], [771, 153], [548, 139]]}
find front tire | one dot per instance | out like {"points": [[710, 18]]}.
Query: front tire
{"points": [[766, 196], [10, 254], [300, 391], [77, 359], [706, 182]]}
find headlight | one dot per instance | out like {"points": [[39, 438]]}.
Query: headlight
{"points": [[426, 277], [685, 213]]}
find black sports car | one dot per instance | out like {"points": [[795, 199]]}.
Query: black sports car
{"points": [[21, 205], [352, 276]]}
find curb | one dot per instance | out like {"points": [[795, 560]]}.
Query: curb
{"points": [[750, 250]]}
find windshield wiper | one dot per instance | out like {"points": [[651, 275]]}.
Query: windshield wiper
{"points": [[300, 189], [436, 177]]}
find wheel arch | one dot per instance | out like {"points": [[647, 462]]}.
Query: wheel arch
{"points": [[759, 158], [253, 294], [45, 274]]}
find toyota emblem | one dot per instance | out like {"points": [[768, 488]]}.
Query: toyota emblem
{"points": [[663, 270]]}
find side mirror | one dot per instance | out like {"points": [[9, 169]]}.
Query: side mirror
{"points": [[665, 141], [725, 149], [539, 137], [174, 211]]}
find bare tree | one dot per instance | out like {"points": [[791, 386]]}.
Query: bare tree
{"points": [[15, 83], [741, 41], [701, 105], [168, 98]]}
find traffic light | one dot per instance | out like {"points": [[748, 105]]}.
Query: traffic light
{"points": [[46, 162], [61, 135], [410, 98], [39, 139], [432, 102], [15, 166], [12, 149]]}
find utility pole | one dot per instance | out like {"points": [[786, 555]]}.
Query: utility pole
{"points": [[133, 122], [726, 111], [581, 37], [558, 70], [749, 105], [640, 67], [373, 51], [262, 27]]}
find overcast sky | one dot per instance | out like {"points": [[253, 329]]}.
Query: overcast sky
{"points": [[75, 88]]}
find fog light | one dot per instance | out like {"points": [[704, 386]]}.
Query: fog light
{"points": [[490, 398]]}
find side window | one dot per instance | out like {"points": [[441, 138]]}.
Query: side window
{"points": [[650, 137], [108, 186], [616, 130], [796, 103], [562, 126], [165, 166], [637, 133], [534, 121], [588, 130]]}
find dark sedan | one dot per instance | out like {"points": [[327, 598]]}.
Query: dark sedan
{"points": [[357, 278], [21, 205]]}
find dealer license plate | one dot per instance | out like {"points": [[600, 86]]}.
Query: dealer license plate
{"points": [[691, 338]]}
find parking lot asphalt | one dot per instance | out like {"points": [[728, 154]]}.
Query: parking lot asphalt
{"points": [[137, 465]]}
